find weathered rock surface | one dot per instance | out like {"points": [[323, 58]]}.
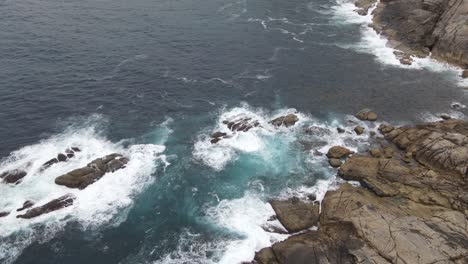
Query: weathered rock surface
{"points": [[296, 215], [366, 115], [13, 176], [95, 170], [420, 27], [414, 212], [287, 120], [54, 205], [338, 152]]}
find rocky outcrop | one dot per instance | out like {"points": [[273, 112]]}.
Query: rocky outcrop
{"points": [[61, 157], [54, 205], [405, 212], [95, 170], [13, 176], [242, 124], [423, 27], [287, 120], [296, 215]]}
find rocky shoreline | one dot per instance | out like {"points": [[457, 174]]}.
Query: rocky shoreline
{"points": [[420, 28], [411, 205]]}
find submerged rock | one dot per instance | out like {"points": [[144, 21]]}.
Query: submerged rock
{"points": [[287, 121], [95, 170], [13, 176], [296, 215], [54, 205]]}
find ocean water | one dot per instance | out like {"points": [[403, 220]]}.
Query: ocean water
{"points": [[152, 80]]}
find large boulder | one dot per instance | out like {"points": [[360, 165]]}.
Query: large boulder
{"points": [[296, 215], [366, 115], [54, 205], [287, 120], [338, 152], [95, 170]]}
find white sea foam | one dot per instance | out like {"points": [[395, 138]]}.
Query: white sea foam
{"points": [[226, 150], [105, 202], [373, 43], [247, 217]]}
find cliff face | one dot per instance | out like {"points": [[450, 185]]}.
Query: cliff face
{"points": [[412, 206], [420, 27]]}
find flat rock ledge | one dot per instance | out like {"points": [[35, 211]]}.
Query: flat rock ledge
{"points": [[95, 170], [412, 206]]}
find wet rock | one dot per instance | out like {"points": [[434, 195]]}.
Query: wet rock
{"points": [[287, 121], [296, 215], [338, 152], [26, 205], [69, 153], [364, 6], [54, 205], [340, 130], [218, 134], [241, 124], [375, 152], [266, 256], [465, 74], [95, 170], [366, 115], [335, 163], [3, 214], [312, 197], [385, 128], [13, 176], [403, 57], [388, 152], [359, 130], [372, 133], [445, 117]]}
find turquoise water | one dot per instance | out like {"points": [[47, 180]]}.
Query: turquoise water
{"points": [[152, 80]]}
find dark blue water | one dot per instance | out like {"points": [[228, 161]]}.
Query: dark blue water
{"points": [[163, 73]]}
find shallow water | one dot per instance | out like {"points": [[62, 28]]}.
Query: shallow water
{"points": [[152, 80]]}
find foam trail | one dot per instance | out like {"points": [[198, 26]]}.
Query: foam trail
{"points": [[105, 202]]}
